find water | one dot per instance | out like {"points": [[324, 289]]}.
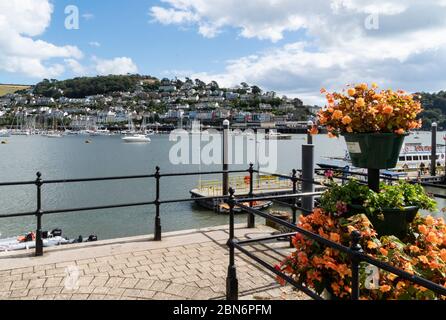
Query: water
{"points": [[71, 157]]}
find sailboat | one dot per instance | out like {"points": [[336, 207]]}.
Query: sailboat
{"points": [[136, 137], [54, 134]]}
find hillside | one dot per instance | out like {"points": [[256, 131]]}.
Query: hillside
{"points": [[11, 88], [434, 105], [88, 86]]}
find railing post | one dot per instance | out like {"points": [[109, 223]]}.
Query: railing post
{"points": [[251, 217], [308, 176], [356, 248], [434, 150], [231, 280], [294, 207], [157, 205], [39, 241]]}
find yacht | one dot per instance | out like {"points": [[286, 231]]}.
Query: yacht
{"points": [[137, 138], [274, 135], [4, 133]]}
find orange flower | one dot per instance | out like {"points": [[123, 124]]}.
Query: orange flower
{"points": [[385, 288], [423, 229], [337, 114], [432, 238], [383, 251], [388, 110], [430, 221], [362, 86], [400, 131], [323, 90], [349, 129], [423, 259], [443, 254], [414, 249], [351, 92], [335, 237], [372, 245], [360, 102], [346, 120], [314, 130]]}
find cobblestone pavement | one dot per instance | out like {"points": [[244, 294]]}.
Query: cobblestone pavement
{"points": [[183, 266]]}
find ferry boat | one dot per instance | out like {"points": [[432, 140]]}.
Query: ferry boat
{"points": [[413, 156]]}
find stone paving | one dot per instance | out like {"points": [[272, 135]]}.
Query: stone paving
{"points": [[185, 265]]}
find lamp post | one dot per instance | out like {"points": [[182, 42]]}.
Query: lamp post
{"points": [[310, 125], [226, 125]]}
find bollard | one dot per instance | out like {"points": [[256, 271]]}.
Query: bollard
{"points": [[39, 241], [157, 205], [356, 248], [434, 150], [226, 125], [308, 176], [231, 280]]}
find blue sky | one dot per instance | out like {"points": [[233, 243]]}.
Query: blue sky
{"points": [[125, 28], [294, 47]]}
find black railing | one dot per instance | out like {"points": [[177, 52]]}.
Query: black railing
{"points": [[157, 202], [355, 251]]}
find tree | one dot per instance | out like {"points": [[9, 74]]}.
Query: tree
{"points": [[256, 90]]}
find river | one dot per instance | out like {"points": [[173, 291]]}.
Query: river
{"points": [[71, 157]]}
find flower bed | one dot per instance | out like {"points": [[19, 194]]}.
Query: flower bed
{"points": [[322, 268]]}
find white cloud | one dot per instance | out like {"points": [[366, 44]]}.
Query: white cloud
{"points": [[94, 44], [121, 65], [406, 51], [76, 67], [20, 22]]}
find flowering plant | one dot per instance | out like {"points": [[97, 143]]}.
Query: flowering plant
{"points": [[364, 109], [320, 267], [403, 194]]}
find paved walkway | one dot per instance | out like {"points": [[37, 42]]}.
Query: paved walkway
{"points": [[185, 265]]}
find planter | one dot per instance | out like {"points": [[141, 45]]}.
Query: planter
{"points": [[374, 150], [396, 221]]}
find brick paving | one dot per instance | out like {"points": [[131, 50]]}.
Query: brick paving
{"points": [[186, 265]]}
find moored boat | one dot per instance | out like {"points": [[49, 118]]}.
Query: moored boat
{"points": [[137, 138]]}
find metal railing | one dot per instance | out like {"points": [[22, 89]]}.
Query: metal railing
{"points": [[39, 182], [355, 251]]}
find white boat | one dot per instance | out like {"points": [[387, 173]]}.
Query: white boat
{"points": [[273, 135], [53, 135], [137, 138], [4, 133], [21, 133], [49, 239]]}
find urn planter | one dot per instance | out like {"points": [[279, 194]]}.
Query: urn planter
{"points": [[374, 150], [391, 221]]}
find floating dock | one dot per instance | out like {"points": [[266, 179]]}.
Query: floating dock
{"points": [[263, 186]]}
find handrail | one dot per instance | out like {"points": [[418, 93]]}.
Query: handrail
{"points": [[355, 252]]}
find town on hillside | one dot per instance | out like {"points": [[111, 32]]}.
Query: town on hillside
{"points": [[115, 102]]}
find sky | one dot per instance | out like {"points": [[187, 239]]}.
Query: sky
{"points": [[294, 47]]}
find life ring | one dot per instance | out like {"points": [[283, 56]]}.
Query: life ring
{"points": [[247, 180]]}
